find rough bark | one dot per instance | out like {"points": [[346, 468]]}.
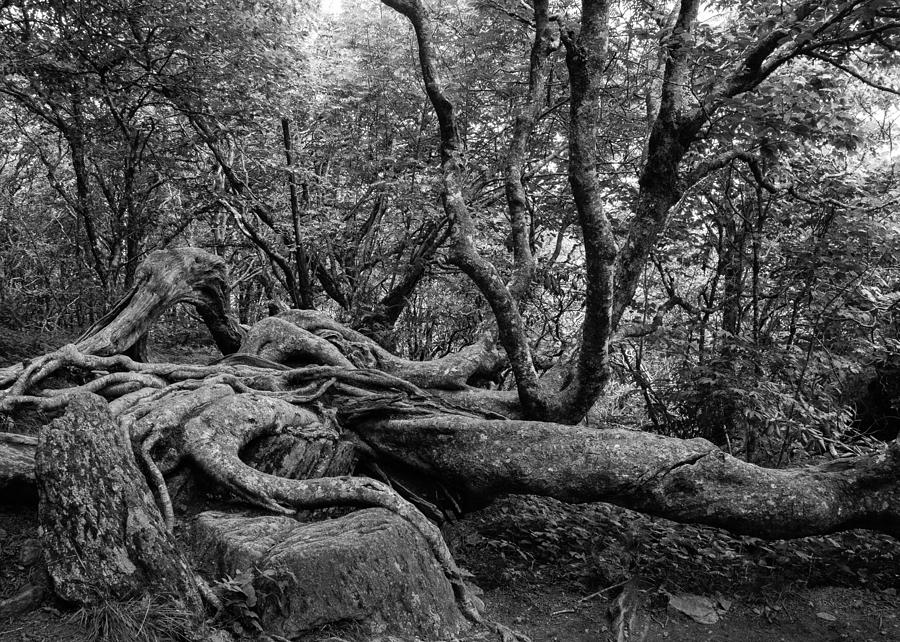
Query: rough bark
{"points": [[17, 481], [684, 480], [102, 534], [585, 58], [529, 111], [675, 128], [304, 284], [286, 456], [279, 340], [369, 569], [659, 186], [451, 372], [302, 420], [689, 481], [167, 277], [463, 253]]}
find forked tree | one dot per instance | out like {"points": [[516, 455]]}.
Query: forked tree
{"points": [[330, 390]]}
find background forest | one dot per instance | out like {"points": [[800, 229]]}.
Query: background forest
{"points": [[647, 215], [295, 141]]}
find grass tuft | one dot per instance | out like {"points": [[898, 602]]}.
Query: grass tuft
{"points": [[145, 619]]}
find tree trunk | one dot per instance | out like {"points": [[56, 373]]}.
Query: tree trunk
{"points": [[102, 534], [167, 277], [340, 391], [688, 481], [304, 284], [17, 466], [684, 480]]}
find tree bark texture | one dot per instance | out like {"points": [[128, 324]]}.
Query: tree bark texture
{"points": [[335, 344], [167, 277], [369, 569], [17, 481], [102, 534], [305, 397], [684, 480]]}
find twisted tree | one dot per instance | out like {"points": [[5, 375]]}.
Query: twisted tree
{"points": [[342, 401], [344, 404]]}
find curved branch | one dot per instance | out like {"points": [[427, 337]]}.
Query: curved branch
{"points": [[529, 111], [451, 372], [510, 325], [586, 56]]}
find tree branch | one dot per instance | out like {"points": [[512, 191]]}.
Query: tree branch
{"points": [[658, 182], [852, 72], [510, 325], [723, 160], [528, 112]]}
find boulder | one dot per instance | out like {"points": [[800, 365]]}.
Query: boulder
{"points": [[370, 569]]}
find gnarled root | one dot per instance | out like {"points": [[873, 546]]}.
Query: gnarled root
{"points": [[214, 438]]}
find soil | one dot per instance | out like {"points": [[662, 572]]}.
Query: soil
{"points": [[544, 566], [559, 616]]}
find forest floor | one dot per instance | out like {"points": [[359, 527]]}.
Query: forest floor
{"points": [[550, 570], [543, 564]]}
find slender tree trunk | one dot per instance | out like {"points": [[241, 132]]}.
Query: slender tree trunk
{"points": [[300, 258]]}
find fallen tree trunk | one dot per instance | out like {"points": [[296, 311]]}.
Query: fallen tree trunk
{"points": [[165, 278], [684, 480], [452, 372]]}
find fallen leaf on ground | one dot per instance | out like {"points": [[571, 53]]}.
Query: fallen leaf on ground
{"points": [[698, 608]]}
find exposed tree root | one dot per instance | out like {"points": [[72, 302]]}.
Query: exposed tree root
{"points": [[165, 278], [214, 438], [27, 599], [452, 372], [305, 379], [156, 480], [243, 378]]}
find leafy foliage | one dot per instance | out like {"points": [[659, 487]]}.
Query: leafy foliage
{"points": [[129, 127], [596, 546], [248, 593]]}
